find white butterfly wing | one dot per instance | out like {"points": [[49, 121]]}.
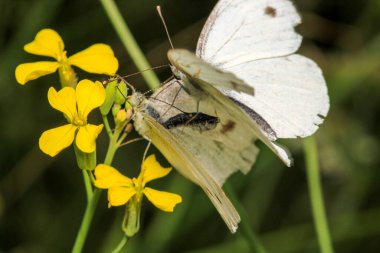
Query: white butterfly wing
{"points": [[255, 41], [290, 93], [245, 30]]}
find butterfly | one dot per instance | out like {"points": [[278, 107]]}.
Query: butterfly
{"points": [[245, 83]]}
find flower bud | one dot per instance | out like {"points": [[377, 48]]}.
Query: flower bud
{"points": [[128, 128], [121, 116], [110, 97], [121, 93], [131, 221], [115, 109], [128, 105]]}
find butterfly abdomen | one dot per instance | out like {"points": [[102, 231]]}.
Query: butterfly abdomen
{"points": [[200, 121]]}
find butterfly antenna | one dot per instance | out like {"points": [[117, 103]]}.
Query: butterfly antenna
{"points": [[137, 73], [125, 81], [163, 22], [128, 84], [146, 92]]}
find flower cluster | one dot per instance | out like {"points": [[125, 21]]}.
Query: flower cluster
{"points": [[76, 100]]}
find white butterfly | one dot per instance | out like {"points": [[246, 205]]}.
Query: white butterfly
{"points": [[247, 76]]}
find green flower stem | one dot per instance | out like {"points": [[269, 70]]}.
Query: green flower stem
{"points": [[130, 43], [246, 230], [107, 126], [121, 139], [92, 177], [111, 149], [86, 222], [92, 203], [121, 245], [114, 144], [316, 196], [88, 185], [93, 200]]}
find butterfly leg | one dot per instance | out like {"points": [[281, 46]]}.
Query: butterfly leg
{"points": [[174, 99]]}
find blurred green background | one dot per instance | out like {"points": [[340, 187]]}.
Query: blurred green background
{"points": [[42, 200]]}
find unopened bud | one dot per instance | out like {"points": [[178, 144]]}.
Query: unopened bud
{"points": [[115, 109], [110, 97], [128, 128], [121, 93], [121, 116], [128, 105], [131, 221]]}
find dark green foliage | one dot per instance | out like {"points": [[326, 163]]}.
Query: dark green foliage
{"points": [[42, 200]]}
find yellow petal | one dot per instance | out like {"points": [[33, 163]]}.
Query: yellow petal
{"points": [[54, 140], [63, 101], [165, 201], [29, 71], [47, 43], [98, 58], [118, 196], [109, 177], [151, 169], [86, 137], [89, 95]]}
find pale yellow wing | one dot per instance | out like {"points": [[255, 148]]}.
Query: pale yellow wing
{"points": [[189, 63], [223, 150], [185, 162]]}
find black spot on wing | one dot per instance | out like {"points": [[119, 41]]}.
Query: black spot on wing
{"points": [[270, 11], [229, 126], [321, 116]]}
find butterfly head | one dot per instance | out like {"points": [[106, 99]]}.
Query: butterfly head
{"points": [[136, 99]]}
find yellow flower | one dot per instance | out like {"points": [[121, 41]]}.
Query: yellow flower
{"points": [[76, 104], [98, 58], [121, 188]]}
